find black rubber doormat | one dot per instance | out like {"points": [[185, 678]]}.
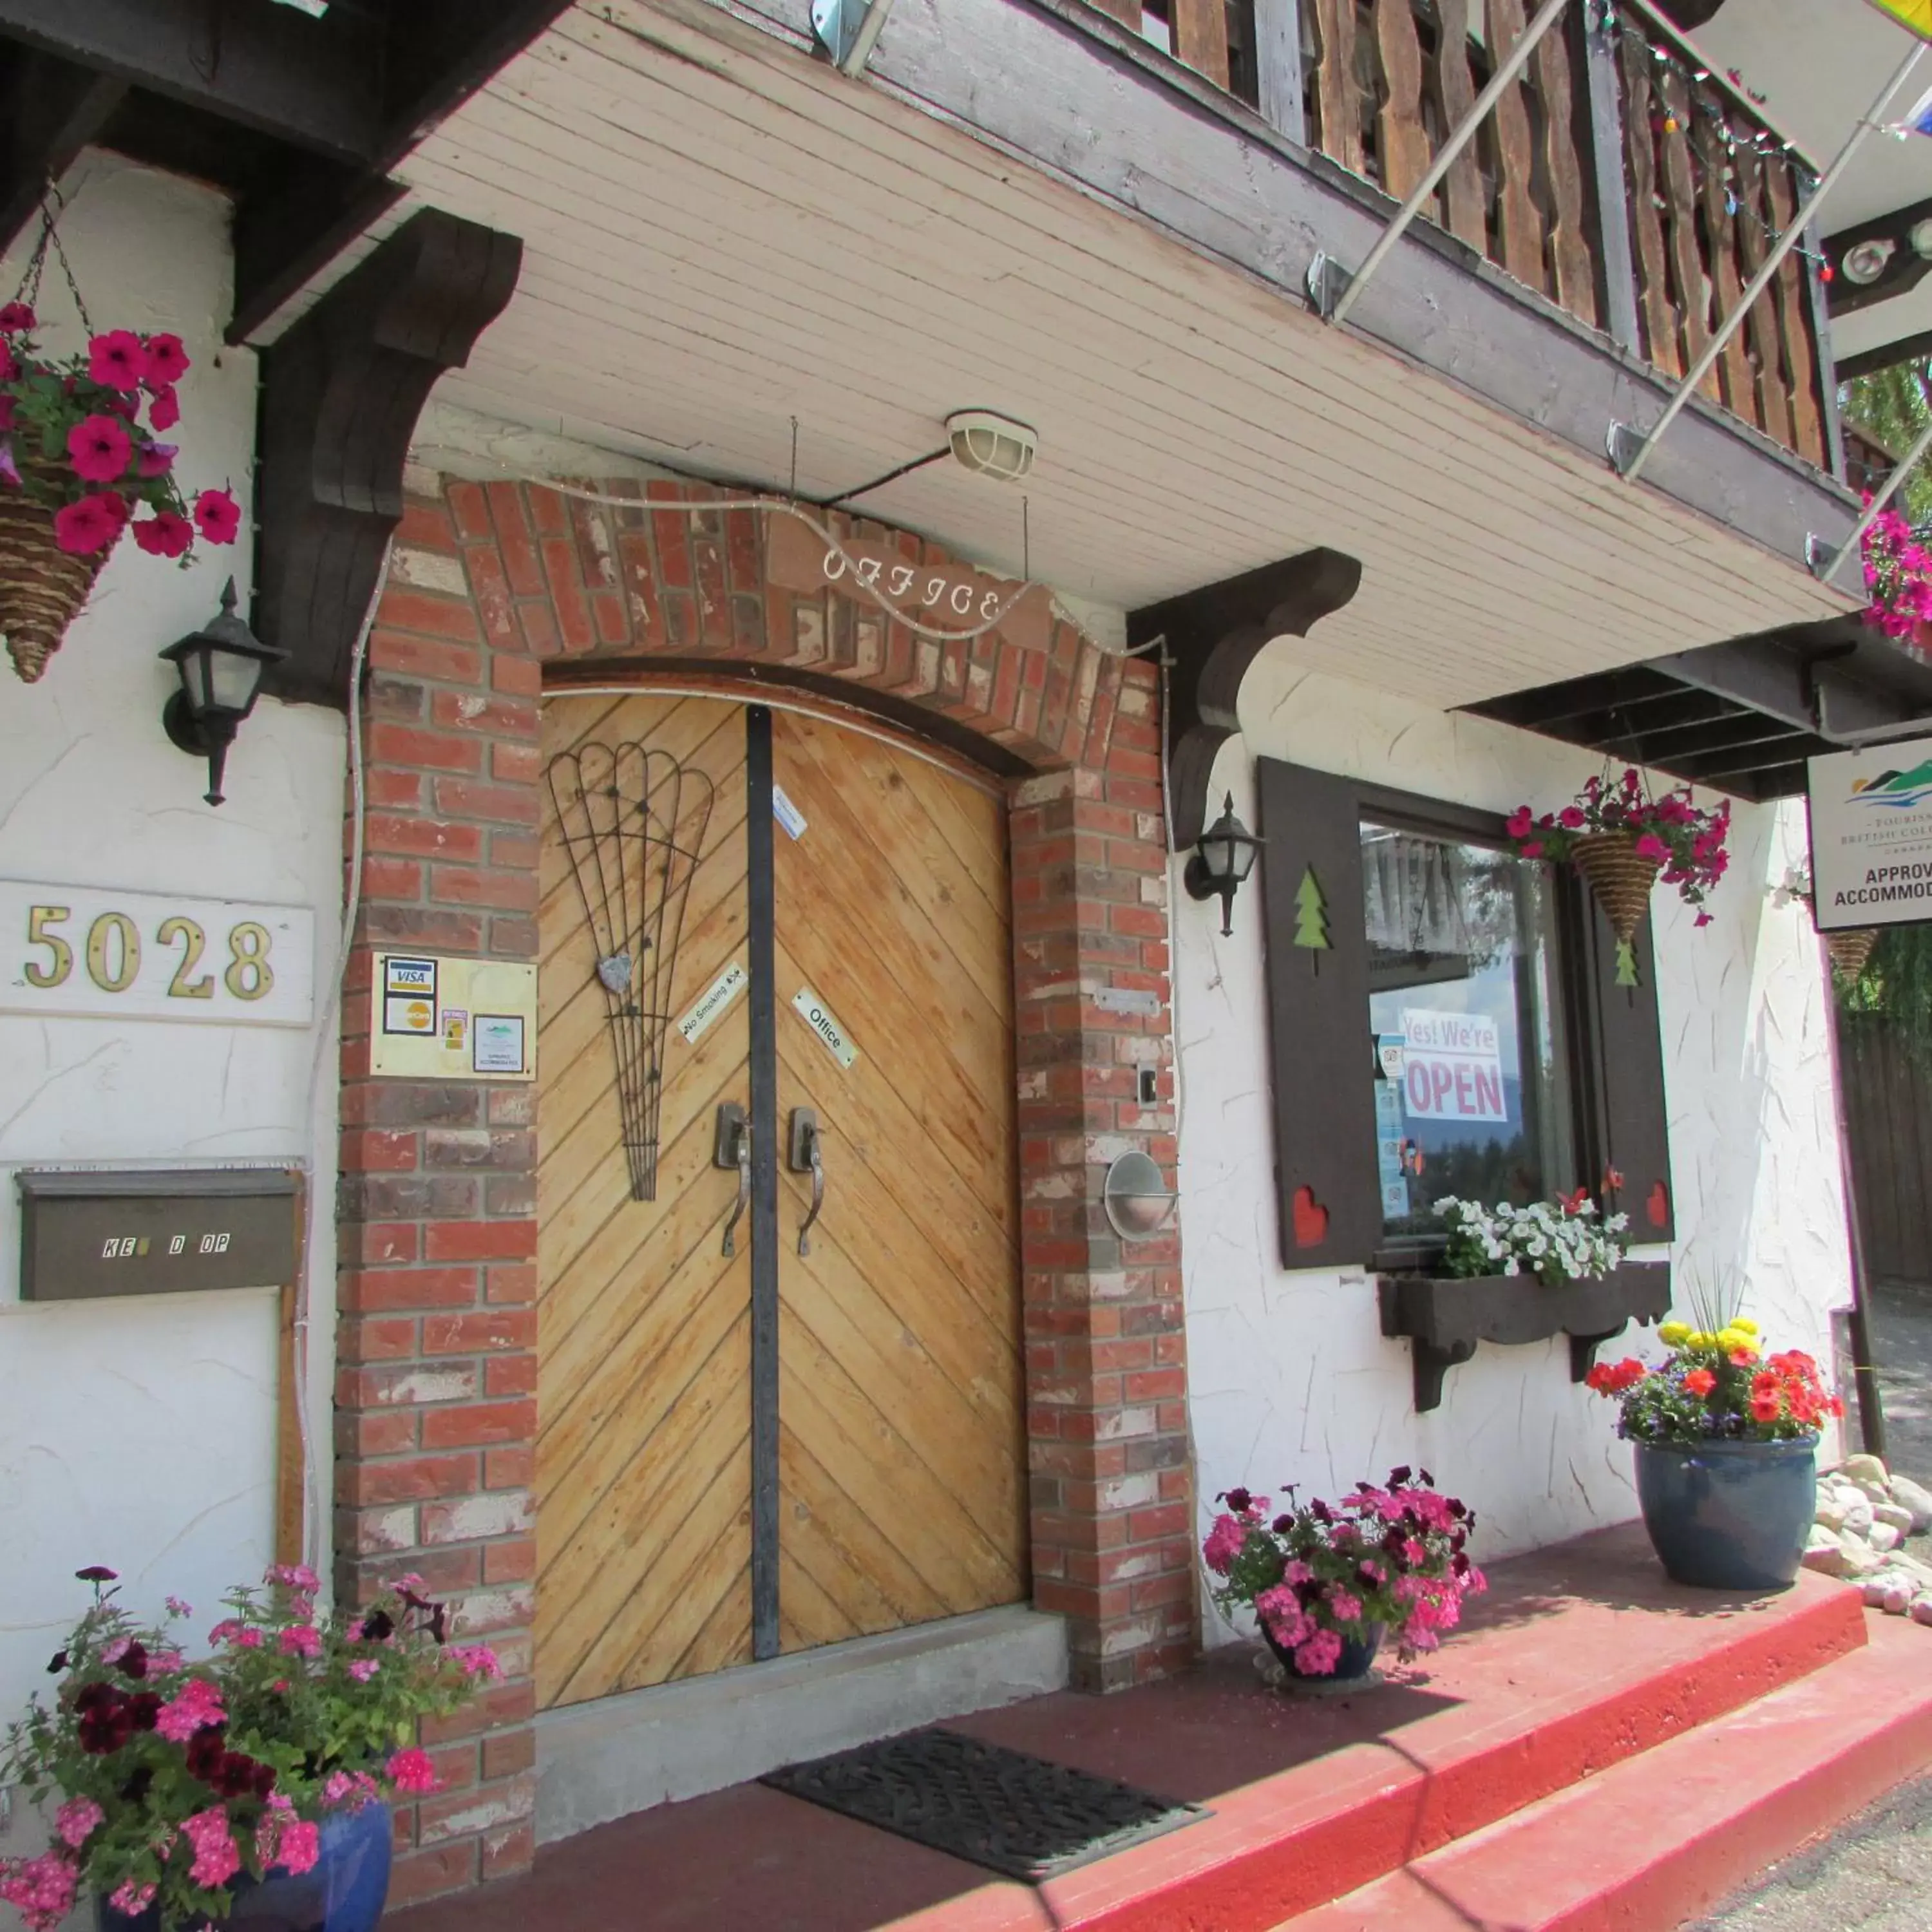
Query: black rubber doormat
{"points": [[1015, 1814]]}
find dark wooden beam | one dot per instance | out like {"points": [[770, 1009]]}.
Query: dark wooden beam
{"points": [[1887, 355], [285, 235], [340, 393], [316, 83], [1212, 635], [1902, 273], [1544, 707], [440, 51], [52, 110]]}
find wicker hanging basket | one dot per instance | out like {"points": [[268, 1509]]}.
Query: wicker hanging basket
{"points": [[1850, 949], [1619, 876], [42, 587]]}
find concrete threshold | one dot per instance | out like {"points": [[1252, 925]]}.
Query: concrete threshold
{"points": [[605, 1760]]}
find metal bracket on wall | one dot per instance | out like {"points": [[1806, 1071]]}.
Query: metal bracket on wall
{"points": [[848, 30]]}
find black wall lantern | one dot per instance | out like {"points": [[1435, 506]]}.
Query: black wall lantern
{"points": [[221, 666], [1223, 857]]}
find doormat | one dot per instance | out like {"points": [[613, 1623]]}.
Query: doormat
{"points": [[1020, 1815]]}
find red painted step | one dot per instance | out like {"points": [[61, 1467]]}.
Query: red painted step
{"points": [[1584, 1657], [1657, 1840]]}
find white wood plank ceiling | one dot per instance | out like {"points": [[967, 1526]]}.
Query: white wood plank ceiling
{"points": [[720, 234]]}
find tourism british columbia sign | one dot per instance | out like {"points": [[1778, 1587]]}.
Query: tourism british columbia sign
{"points": [[1871, 835]]}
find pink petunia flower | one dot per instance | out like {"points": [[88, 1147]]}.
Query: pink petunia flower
{"points": [[17, 318], [216, 1859], [1223, 1544], [300, 1640], [217, 516], [411, 1771], [90, 525], [76, 1820], [155, 459], [164, 411], [1318, 1656], [117, 360], [98, 448], [167, 362]]}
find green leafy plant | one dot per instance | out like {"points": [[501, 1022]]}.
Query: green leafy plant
{"points": [[180, 1777]]}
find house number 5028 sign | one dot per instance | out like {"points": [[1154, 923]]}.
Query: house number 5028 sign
{"points": [[83, 951]]}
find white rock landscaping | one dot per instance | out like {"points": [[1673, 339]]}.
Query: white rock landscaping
{"points": [[1865, 1515]]}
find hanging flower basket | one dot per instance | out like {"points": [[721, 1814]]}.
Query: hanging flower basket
{"points": [[42, 587], [1850, 949], [1622, 840], [77, 462], [1619, 875]]}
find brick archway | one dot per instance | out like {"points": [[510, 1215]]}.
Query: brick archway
{"points": [[500, 591]]}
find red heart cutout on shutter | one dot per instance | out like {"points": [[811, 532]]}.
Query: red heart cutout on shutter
{"points": [[1658, 1206], [1311, 1218]]}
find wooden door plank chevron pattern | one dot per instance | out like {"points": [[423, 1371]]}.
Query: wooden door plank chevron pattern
{"points": [[901, 1459], [643, 1458]]}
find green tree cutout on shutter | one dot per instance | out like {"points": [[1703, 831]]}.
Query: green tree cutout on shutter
{"points": [[1311, 914], [1626, 963]]}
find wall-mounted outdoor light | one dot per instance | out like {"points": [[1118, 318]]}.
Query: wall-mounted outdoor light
{"points": [[221, 666], [1138, 1201], [1223, 857]]}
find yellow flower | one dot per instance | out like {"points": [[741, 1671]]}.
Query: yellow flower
{"points": [[1733, 1339], [1674, 1334], [1744, 1322]]}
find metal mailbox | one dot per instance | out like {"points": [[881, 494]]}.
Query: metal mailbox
{"points": [[148, 1232]]}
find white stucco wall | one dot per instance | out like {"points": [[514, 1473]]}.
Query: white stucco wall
{"points": [[139, 1432], [1291, 1378]]}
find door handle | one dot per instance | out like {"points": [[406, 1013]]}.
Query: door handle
{"points": [[732, 1147], [808, 1156]]}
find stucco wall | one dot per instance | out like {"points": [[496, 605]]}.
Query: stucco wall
{"points": [[1292, 1379], [139, 1433]]}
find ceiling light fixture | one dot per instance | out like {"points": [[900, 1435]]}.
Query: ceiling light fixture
{"points": [[990, 445], [1921, 238], [1864, 261]]}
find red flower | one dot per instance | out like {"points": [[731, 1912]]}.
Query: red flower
{"points": [[165, 534], [167, 363], [117, 360], [164, 412], [99, 449], [1767, 1408], [1651, 847], [15, 319], [217, 516], [1571, 816], [80, 529], [156, 459], [1700, 1382], [1518, 824], [98, 1573]]}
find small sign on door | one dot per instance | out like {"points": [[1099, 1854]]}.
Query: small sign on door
{"points": [[817, 1016]]}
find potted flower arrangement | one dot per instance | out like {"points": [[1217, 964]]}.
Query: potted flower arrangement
{"points": [[1326, 1582], [1898, 574], [79, 467], [1727, 1438], [1557, 1241], [263, 1768], [1620, 839]]}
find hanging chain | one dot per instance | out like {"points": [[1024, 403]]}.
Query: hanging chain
{"points": [[52, 206]]}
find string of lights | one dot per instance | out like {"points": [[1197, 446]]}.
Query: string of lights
{"points": [[1708, 105]]}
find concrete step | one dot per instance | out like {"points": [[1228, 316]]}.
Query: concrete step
{"points": [[1651, 1842]]}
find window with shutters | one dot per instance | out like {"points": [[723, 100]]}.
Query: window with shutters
{"points": [[1444, 1018], [1473, 1095]]}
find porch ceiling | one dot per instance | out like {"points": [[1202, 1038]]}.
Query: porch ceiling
{"points": [[722, 236]]}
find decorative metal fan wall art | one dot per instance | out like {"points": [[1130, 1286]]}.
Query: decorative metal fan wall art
{"points": [[633, 822]]}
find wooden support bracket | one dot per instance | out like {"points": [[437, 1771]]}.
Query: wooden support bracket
{"points": [[1212, 636], [341, 394]]}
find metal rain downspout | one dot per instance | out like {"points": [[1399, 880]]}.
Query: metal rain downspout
{"points": [[1629, 462], [1332, 303]]}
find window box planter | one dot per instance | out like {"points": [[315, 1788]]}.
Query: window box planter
{"points": [[1445, 1318]]}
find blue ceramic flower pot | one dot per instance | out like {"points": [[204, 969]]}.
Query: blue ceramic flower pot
{"points": [[345, 1892], [1729, 1516], [1355, 1662]]}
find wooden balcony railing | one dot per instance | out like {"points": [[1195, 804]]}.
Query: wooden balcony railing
{"points": [[1617, 177]]}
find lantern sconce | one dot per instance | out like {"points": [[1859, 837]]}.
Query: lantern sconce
{"points": [[1139, 1202], [221, 667], [1223, 857]]}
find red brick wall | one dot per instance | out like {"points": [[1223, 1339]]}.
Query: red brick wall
{"points": [[436, 1407]]}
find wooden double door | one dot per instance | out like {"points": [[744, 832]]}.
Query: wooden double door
{"points": [[756, 1446]]}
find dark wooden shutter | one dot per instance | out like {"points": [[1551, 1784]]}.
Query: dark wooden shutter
{"points": [[1318, 998], [1622, 1045]]}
